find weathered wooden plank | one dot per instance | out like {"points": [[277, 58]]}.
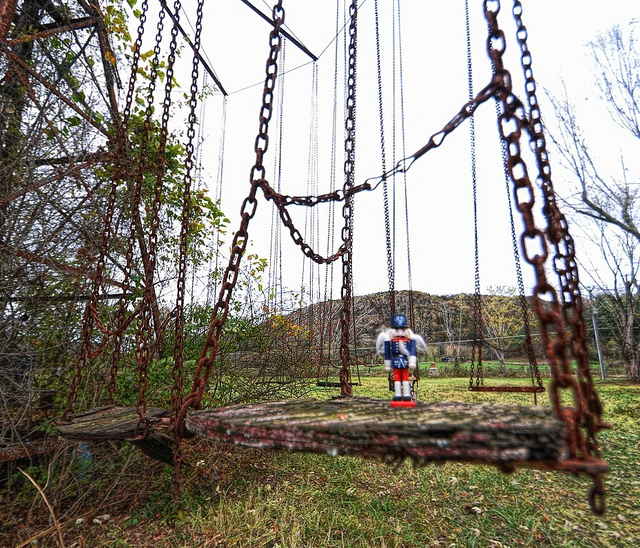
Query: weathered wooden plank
{"points": [[110, 423], [29, 449], [500, 434], [118, 423]]}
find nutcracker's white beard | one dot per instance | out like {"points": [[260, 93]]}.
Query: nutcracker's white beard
{"points": [[388, 334]]}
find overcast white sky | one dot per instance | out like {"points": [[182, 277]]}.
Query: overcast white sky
{"points": [[434, 80]]}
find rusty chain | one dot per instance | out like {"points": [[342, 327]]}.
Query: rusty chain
{"points": [[177, 370], [146, 346], [90, 313], [557, 229], [478, 327], [348, 192], [281, 201], [565, 266], [534, 114], [135, 61], [240, 239], [552, 314], [390, 246], [123, 168], [347, 208]]}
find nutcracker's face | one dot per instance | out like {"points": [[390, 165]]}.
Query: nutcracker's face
{"points": [[400, 332]]}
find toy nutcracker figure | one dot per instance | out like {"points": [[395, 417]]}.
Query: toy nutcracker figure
{"points": [[400, 346]]}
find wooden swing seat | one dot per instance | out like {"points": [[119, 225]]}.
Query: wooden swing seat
{"points": [[503, 435], [118, 423], [335, 384], [113, 422], [526, 389]]}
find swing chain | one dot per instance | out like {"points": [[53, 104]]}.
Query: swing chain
{"points": [[143, 321], [91, 316], [186, 212], [554, 316], [123, 166], [135, 60], [391, 270], [241, 237], [565, 263], [178, 313], [347, 208], [145, 347], [534, 114], [177, 371]]}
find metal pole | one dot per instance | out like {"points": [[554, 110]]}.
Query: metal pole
{"points": [[594, 313]]}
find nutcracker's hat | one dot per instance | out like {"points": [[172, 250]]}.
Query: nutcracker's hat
{"points": [[399, 321]]}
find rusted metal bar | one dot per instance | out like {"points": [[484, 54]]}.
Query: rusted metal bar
{"points": [[206, 66], [284, 33], [7, 14], [76, 24]]}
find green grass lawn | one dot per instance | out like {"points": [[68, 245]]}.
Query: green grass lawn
{"points": [[234, 496]]}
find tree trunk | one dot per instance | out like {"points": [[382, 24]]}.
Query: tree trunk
{"points": [[501, 359], [631, 351]]}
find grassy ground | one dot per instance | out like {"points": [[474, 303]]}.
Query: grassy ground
{"points": [[239, 497]]}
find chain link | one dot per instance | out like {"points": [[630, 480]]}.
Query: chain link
{"points": [[146, 345], [387, 214], [478, 327], [123, 168], [90, 313], [347, 208], [177, 371], [240, 239], [554, 316]]}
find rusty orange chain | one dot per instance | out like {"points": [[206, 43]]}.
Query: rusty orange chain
{"points": [[148, 339], [91, 316], [124, 167], [347, 208], [281, 201], [565, 265], [553, 315], [240, 239], [177, 370]]}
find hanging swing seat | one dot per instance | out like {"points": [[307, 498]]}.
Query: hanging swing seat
{"points": [[504, 435], [118, 423], [335, 384], [113, 422], [509, 388]]}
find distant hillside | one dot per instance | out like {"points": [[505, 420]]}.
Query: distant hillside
{"points": [[443, 321]]}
